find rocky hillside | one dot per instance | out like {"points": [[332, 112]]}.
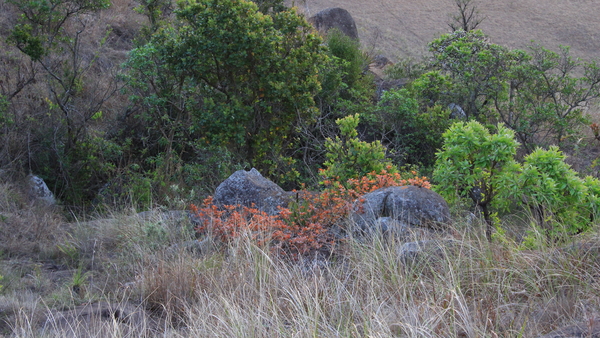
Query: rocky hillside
{"points": [[403, 28]]}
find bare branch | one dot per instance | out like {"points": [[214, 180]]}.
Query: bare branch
{"points": [[468, 17]]}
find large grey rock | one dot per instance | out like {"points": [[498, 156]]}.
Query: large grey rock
{"points": [[456, 112], [407, 206], [590, 328], [251, 189], [402, 231], [39, 191], [335, 18]]}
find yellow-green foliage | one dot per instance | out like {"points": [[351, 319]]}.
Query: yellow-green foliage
{"points": [[561, 202], [348, 157], [475, 164], [478, 165]]}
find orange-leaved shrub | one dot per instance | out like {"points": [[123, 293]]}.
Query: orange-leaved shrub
{"points": [[303, 228], [283, 235]]}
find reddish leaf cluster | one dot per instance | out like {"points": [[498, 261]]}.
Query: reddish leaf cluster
{"points": [[283, 235], [596, 130], [303, 228]]}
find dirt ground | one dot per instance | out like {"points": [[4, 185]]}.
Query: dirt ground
{"points": [[402, 28]]}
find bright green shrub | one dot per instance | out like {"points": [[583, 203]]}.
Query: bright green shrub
{"points": [[350, 158], [477, 165], [560, 201]]}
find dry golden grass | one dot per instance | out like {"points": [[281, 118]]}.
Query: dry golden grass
{"points": [[403, 28], [466, 288], [28, 228]]}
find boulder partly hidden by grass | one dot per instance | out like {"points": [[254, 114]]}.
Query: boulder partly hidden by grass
{"points": [[250, 189], [589, 328], [402, 208]]}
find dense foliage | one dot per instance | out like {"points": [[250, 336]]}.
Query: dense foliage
{"points": [[224, 74], [349, 158], [478, 165], [208, 87], [539, 94], [411, 131]]}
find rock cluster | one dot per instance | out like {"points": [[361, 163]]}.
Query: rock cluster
{"points": [[398, 209], [408, 213]]}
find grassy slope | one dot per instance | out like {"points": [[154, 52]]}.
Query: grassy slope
{"points": [[475, 289], [403, 28], [480, 290]]}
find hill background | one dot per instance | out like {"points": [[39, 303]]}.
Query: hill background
{"points": [[400, 29]]}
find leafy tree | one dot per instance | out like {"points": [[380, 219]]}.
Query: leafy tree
{"points": [[539, 94], [230, 75], [477, 165], [62, 145], [545, 102], [477, 68]]}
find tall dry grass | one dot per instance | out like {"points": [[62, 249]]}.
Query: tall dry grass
{"points": [[458, 286]]}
